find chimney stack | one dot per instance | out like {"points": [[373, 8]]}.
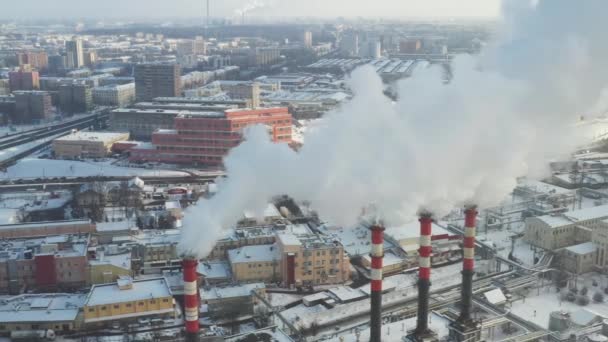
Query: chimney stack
{"points": [[376, 284], [468, 263], [464, 328], [424, 276], [191, 300]]}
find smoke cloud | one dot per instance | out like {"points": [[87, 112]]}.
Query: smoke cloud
{"points": [[504, 114]]}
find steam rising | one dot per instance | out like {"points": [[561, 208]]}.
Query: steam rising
{"points": [[503, 115]]}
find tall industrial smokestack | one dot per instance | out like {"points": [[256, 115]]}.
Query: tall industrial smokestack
{"points": [[465, 328], [191, 302], [424, 276], [468, 263], [375, 333]]}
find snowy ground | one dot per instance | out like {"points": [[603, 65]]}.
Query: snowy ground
{"points": [[395, 331], [537, 307], [50, 168], [11, 152]]}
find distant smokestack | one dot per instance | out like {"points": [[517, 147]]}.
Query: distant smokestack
{"points": [[377, 255], [468, 264], [191, 302], [424, 275]]}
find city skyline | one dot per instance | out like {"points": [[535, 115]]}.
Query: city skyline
{"points": [[233, 8]]}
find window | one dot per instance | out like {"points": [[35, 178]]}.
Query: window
{"points": [[152, 301], [129, 305], [166, 300], [140, 304], [91, 309], [116, 306], [103, 308]]}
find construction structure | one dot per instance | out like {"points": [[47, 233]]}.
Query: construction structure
{"points": [[422, 331], [191, 300], [377, 255], [465, 328]]}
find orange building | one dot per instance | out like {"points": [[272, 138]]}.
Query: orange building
{"points": [[206, 137]]}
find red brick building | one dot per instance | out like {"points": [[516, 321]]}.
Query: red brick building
{"points": [[24, 79], [206, 137]]}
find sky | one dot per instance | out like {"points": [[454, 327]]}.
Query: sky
{"points": [[65, 9]]}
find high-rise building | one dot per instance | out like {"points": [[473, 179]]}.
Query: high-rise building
{"points": [[75, 98], [24, 79], [57, 64], [349, 44], [75, 56], [36, 59], [157, 80], [199, 47], [90, 58], [184, 47], [31, 106], [308, 39], [410, 45]]}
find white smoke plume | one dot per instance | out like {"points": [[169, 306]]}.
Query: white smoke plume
{"points": [[503, 115]]}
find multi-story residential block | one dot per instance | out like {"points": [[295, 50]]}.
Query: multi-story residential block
{"points": [[75, 98], [155, 80], [24, 79], [74, 53], [117, 95], [31, 106], [36, 59]]}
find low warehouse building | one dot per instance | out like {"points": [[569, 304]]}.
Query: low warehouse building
{"points": [[87, 144]]}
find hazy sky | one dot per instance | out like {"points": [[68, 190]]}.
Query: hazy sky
{"points": [[21, 9]]}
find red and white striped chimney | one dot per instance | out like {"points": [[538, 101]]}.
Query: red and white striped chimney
{"points": [[377, 255], [191, 300], [424, 275], [468, 263]]}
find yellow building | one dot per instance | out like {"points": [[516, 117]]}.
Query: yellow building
{"points": [[312, 259], [255, 263], [87, 144], [128, 299], [109, 268]]}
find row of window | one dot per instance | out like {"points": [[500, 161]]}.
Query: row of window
{"points": [[128, 305]]}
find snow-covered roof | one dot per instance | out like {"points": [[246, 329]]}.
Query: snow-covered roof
{"points": [[214, 270], [495, 296], [230, 291], [141, 290], [583, 248], [346, 294], [583, 317], [412, 230], [93, 136], [554, 221], [119, 260], [44, 224], [270, 212], [262, 253], [56, 307], [600, 212], [288, 239]]}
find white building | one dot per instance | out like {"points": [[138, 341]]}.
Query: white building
{"points": [[119, 95]]}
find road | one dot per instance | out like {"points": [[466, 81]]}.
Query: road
{"points": [[63, 128]]}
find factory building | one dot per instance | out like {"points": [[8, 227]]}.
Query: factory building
{"points": [[255, 263], [48, 263], [231, 301], [41, 229], [87, 144], [128, 299], [206, 137], [59, 312], [312, 259]]}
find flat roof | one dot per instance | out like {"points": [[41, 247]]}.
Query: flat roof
{"points": [[554, 221], [230, 291], [262, 253], [583, 248], [56, 307], [93, 136], [104, 294], [588, 213]]}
